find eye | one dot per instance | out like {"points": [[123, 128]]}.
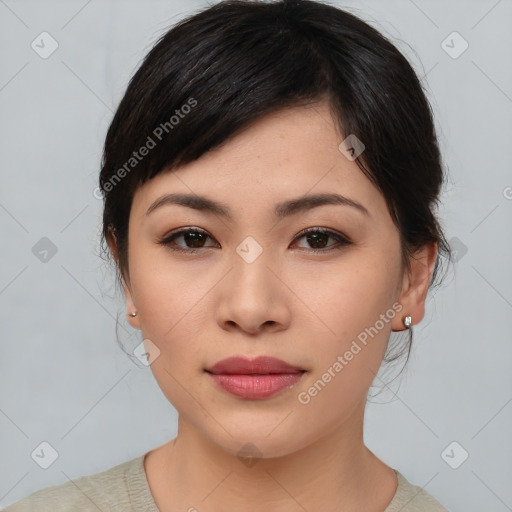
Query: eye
{"points": [[195, 238], [319, 236]]}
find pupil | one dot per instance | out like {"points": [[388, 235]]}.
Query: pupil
{"points": [[194, 237], [315, 238]]}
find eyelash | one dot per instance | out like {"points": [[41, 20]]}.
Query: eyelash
{"points": [[342, 240]]}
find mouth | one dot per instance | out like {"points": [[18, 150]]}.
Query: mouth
{"points": [[263, 365], [254, 379]]}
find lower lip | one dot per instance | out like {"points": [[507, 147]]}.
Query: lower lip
{"points": [[256, 387]]}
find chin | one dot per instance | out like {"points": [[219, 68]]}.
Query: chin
{"points": [[253, 442]]}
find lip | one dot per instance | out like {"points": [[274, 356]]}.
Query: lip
{"points": [[254, 379], [244, 366]]}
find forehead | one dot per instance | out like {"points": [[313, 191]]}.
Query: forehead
{"points": [[286, 154]]}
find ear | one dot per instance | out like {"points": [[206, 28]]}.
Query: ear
{"points": [[127, 290], [415, 286]]}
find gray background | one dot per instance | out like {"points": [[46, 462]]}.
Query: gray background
{"points": [[65, 380]]}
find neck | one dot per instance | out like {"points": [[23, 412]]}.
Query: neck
{"points": [[336, 472]]}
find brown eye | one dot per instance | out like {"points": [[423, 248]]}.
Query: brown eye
{"points": [[193, 238], [318, 238]]}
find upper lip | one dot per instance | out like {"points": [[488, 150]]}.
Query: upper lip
{"points": [[261, 365]]}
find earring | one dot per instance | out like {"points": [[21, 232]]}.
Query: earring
{"points": [[133, 313], [408, 322]]}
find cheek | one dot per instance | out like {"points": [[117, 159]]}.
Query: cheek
{"points": [[172, 305], [169, 296], [354, 309], [349, 296], [358, 311]]}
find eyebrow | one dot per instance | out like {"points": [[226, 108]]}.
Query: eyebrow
{"points": [[281, 210]]}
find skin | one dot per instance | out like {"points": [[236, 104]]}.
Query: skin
{"points": [[302, 307]]}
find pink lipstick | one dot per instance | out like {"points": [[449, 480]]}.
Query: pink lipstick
{"points": [[254, 379]]}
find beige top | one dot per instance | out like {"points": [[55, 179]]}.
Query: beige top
{"points": [[124, 488]]}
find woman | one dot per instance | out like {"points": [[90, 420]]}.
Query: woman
{"points": [[269, 181]]}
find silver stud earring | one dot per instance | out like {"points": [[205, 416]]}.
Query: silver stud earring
{"points": [[133, 313], [408, 322]]}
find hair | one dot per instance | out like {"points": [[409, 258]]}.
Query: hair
{"points": [[219, 70]]}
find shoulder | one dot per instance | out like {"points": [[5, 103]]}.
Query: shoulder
{"points": [[114, 489], [411, 498]]}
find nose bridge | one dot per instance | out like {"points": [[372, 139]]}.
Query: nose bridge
{"points": [[252, 296], [251, 273], [250, 250]]}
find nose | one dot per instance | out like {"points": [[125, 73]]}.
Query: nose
{"points": [[253, 299]]}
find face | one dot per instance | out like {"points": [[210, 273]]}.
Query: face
{"points": [[247, 280]]}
